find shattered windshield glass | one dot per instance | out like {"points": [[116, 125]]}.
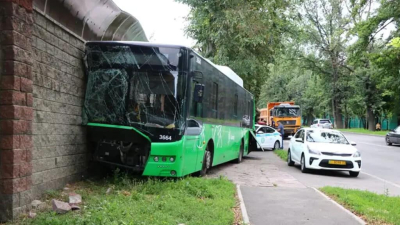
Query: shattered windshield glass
{"points": [[287, 112], [135, 86]]}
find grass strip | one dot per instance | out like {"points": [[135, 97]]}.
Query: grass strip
{"points": [[282, 153], [373, 208], [364, 131], [134, 201]]}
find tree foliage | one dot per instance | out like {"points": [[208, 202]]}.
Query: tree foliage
{"points": [[333, 57], [242, 35]]}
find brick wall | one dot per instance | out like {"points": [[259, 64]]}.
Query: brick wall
{"points": [[42, 142], [59, 150], [16, 110]]}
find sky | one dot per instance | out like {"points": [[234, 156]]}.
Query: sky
{"points": [[162, 20]]}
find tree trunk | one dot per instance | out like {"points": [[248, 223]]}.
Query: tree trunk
{"points": [[309, 119], [371, 119], [337, 114]]}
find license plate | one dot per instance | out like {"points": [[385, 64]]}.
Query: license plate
{"points": [[334, 162]]}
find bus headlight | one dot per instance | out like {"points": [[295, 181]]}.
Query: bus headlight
{"points": [[172, 159], [155, 159]]}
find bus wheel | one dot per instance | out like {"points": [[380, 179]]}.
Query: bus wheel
{"points": [[206, 162], [240, 157]]}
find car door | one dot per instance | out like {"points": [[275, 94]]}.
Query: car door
{"points": [[270, 137], [261, 137], [397, 135], [314, 124], [296, 146]]}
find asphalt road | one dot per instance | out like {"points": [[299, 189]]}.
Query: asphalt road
{"points": [[380, 171]]}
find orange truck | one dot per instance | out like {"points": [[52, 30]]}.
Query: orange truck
{"points": [[287, 113]]}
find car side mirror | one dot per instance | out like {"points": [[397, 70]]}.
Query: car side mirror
{"points": [[290, 136], [353, 143], [260, 132], [299, 140]]}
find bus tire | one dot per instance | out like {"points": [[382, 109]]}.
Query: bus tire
{"points": [[206, 162], [241, 151]]}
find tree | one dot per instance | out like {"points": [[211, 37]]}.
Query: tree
{"points": [[242, 35], [324, 26]]}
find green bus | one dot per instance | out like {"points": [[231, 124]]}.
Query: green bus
{"points": [[164, 110]]}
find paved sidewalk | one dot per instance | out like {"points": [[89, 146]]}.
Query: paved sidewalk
{"points": [[273, 196], [292, 206]]}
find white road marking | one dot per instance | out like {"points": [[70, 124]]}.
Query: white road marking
{"points": [[386, 181], [358, 219], [242, 206]]}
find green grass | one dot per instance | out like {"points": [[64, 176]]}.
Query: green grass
{"points": [[365, 131], [134, 201], [374, 208], [281, 153]]}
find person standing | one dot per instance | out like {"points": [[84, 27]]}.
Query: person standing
{"points": [[282, 131], [272, 122]]}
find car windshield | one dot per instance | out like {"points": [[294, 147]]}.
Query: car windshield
{"points": [[134, 86], [324, 121], [322, 136], [287, 112]]}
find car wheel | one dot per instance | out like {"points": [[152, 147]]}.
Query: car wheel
{"points": [[354, 174], [289, 159], [303, 164], [276, 145], [388, 141]]}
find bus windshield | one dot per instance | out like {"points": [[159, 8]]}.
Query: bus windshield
{"points": [[287, 112], [134, 86]]}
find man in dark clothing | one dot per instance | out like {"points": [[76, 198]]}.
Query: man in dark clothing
{"points": [[272, 122], [282, 131]]}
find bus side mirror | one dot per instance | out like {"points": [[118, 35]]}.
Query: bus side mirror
{"points": [[198, 93]]}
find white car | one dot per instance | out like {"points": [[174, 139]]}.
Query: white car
{"points": [[322, 123], [323, 149], [268, 137]]}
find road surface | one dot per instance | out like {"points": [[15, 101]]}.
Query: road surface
{"points": [[380, 171]]}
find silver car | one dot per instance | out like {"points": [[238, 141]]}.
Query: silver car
{"points": [[322, 123]]}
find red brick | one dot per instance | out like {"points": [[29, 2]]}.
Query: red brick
{"points": [[28, 182], [9, 97], [11, 186], [15, 127], [26, 142], [10, 142], [26, 85], [10, 171], [16, 112], [27, 4], [28, 155], [29, 100], [15, 156], [25, 169], [17, 69], [10, 83]]}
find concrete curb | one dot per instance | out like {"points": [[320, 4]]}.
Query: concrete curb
{"points": [[358, 219], [374, 135], [242, 206]]}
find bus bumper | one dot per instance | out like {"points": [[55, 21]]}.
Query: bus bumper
{"points": [[165, 160]]}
